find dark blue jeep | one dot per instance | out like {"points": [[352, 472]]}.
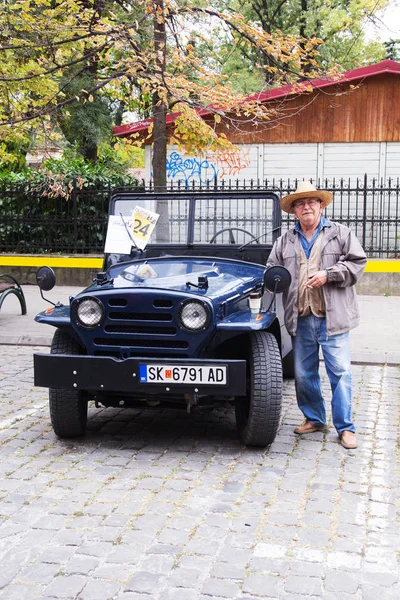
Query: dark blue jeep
{"points": [[191, 318]]}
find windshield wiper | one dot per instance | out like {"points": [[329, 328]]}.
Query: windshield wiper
{"points": [[258, 238], [129, 233]]}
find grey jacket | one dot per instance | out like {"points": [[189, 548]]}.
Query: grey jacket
{"points": [[344, 257]]}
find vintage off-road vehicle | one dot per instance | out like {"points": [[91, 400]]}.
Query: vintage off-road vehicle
{"points": [[191, 318]]}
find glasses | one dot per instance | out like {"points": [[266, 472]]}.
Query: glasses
{"points": [[302, 203]]}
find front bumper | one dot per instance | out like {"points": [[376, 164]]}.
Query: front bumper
{"points": [[102, 373]]}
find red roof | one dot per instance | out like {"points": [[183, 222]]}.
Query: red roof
{"points": [[386, 66]]}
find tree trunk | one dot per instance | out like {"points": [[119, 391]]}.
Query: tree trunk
{"points": [[159, 125], [159, 145], [90, 153]]}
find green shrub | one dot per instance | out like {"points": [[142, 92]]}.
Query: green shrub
{"points": [[61, 208]]}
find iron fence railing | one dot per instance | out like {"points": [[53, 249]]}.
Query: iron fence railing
{"points": [[31, 223]]}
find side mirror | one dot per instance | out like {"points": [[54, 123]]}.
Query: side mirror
{"points": [[277, 279], [45, 278]]}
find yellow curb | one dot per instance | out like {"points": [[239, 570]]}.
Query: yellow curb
{"points": [[376, 265], [70, 262], [379, 265]]}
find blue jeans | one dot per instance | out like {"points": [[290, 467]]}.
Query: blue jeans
{"points": [[310, 335]]}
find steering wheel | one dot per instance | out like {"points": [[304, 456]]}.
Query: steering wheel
{"points": [[231, 238]]}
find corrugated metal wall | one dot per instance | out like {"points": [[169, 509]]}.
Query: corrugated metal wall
{"points": [[286, 161]]}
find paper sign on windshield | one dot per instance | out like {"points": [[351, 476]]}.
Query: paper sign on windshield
{"points": [[118, 240], [144, 222]]}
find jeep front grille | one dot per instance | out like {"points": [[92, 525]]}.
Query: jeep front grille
{"points": [[140, 343], [139, 324], [134, 316], [140, 329]]}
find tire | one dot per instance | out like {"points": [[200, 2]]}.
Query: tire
{"points": [[258, 415], [288, 365], [68, 408]]}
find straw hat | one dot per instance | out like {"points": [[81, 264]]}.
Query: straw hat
{"points": [[305, 189]]}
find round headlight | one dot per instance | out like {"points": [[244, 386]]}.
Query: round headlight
{"points": [[194, 315], [89, 312]]}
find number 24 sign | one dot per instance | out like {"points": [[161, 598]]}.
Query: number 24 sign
{"points": [[143, 224]]}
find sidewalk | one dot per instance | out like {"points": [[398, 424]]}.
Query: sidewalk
{"points": [[375, 341]]}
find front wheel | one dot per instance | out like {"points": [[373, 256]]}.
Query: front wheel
{"points": [[258, 415], [68, 408]]}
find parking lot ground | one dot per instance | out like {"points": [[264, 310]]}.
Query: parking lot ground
{"points": [[166, 505]]}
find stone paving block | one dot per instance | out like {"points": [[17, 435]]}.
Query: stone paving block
{"points": [[65, 586], [173, 593], [220, 587], [306, 569], [269, 565], [7, 574], [372, 592], [347, 545], [67, 537], [158, 563], [347, 561], [383, 578], [245, 539], [80, 565], [145, 582], [37, 573], [314, 537], [303, 585], [116, 520], [339, 582], [309, 554], [201, 546], [265, 550], [19, 555], [265, 586], [173, 536], [21, 592], [167, 549], [279, 533], [99, 590], [237, 556], [225, 570], [186, 577]]}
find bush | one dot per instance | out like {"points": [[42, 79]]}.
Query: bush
{"points": [[61, 208]]}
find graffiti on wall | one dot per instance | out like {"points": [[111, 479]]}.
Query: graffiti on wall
{"points": [[227, 164], [186, 170], [230, 163]]}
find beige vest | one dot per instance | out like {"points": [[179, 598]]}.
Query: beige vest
{"points": [[310, 299]]}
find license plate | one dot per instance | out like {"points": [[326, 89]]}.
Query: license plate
{"points": [[183, 374]]}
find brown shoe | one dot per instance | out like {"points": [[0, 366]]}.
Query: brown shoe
{"points": [[348, 440], [309, 427]]}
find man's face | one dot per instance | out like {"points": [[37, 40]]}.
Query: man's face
{"points": [[308, 211]]}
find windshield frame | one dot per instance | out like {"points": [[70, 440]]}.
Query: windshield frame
{"points": [[190, 200]]}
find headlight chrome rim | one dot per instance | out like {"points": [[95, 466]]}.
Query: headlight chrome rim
{"points": [[185, 319], [95, 309]]}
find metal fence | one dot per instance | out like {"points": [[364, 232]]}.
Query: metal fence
{"points": [[31, 223]]}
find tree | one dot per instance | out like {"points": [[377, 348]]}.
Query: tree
{"points": [[392, 48], [131, 52], [338, 23]]}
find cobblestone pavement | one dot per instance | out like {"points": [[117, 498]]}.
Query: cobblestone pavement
{"points": [[170, 506]]}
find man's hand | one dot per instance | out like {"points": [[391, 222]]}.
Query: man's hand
{"points": [[317, 280]]}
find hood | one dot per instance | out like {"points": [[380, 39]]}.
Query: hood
{"points": [[182, 275]]}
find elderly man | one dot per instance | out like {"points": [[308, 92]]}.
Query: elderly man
{"points": [[325, 260]]}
